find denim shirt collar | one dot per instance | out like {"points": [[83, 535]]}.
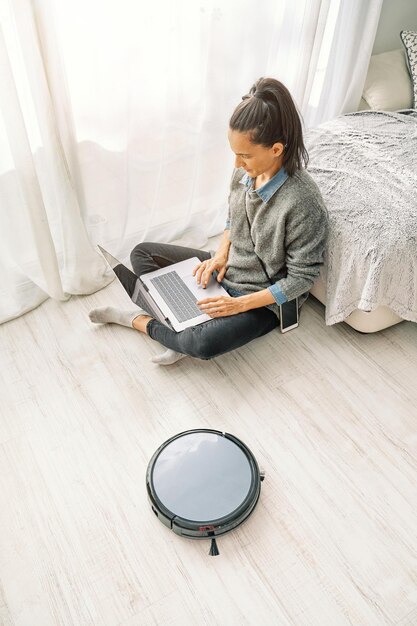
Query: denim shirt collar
{"points": [[266, 191]]}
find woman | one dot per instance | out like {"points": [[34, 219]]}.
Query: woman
{"points": [[272, 247]]}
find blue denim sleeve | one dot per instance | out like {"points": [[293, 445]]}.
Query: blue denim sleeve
{"points": [[279, 297]]}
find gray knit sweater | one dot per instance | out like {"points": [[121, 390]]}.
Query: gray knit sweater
{"points": [[289, 230]]}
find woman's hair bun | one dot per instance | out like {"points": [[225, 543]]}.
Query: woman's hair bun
{"points": [[260, 90], [270, 115]]}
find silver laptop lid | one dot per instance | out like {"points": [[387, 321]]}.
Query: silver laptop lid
{"points": [[130, 282], [133, 286], [111, 260]]}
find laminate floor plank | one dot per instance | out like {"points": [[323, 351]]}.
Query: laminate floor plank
{"points": [[329, 413]]}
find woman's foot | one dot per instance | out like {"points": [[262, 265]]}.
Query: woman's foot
{"points": [[137, 319], [111, 315], [168, 357]]}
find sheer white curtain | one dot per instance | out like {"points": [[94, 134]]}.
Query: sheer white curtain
{"points": [[341, 51], [44, 247], [131, 102]]}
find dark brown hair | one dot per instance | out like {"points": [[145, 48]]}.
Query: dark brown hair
{"points": [[268, 113]]}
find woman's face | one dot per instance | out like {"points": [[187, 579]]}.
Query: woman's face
{"points": [[254, 158]]}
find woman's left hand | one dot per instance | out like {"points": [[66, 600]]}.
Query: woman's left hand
{"points": [[222, 306]]}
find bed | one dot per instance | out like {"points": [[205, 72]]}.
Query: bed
{"points": [[365, 165]]}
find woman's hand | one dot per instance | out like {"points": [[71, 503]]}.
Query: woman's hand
{"points": [[223, 306], [204, 270]]}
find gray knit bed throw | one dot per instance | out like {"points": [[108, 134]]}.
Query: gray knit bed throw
{"points": [[365, 165]]}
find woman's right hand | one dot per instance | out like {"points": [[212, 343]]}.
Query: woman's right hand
{"points": [[204, 270]]}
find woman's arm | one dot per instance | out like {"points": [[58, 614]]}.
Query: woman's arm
{"points": [[224, 246], [226, 305], [257, 299], [204, 270], [306, 234]]}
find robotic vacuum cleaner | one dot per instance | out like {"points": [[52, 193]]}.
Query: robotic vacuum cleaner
{"points": [[202, 483]]}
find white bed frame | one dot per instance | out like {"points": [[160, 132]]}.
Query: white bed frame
{"points": [[362, 321]]}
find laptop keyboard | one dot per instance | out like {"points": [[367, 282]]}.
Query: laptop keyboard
{"points": [[176, 294]]}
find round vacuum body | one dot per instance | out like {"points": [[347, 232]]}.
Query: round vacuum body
{"points": [[203, 483]]}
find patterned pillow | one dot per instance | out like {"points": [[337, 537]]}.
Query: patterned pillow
{"points": [[409, 39]]}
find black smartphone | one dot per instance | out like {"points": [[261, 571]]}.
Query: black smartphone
{"points": [[288, 316]]}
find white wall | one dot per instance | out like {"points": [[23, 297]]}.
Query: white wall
{"points": [[396, 15]]}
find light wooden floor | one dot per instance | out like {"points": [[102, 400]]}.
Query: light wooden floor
{"points": [[330, 415]]}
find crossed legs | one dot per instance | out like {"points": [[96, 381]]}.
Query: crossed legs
{"points": [[203, 341]]}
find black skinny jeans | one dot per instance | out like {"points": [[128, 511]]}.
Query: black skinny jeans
{"points": [[207, 340]]}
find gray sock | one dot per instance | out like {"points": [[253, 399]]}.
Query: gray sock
{"points": [[168, 357], [111, 315]]}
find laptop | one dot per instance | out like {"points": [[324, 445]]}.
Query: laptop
{"points": [[170, 293]]}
